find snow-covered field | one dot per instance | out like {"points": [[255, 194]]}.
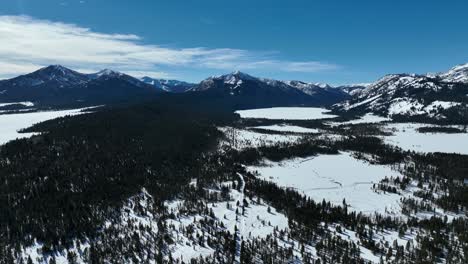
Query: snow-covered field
{"points": [[407, 137], [367, 118], [11, 123], [291, 113], [289, 128], [334, 178]]}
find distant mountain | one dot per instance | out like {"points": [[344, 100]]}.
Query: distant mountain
{"points": [[434, 96], [249, 91], [172, 86], [438, 96], [58, 86], [353, 89], [325, 92]]}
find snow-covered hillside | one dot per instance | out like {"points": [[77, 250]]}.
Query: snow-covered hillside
{"points": [[438, 97]]}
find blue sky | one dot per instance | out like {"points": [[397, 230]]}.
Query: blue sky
{"points": [[317, 41]]}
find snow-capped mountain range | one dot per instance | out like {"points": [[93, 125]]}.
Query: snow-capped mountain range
{"points": [[394, 95], [256, 91], [56, 85], [429, 96]]}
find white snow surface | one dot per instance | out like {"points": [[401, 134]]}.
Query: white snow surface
{"points": [[11, 123], [406, 106], [334, 178], [27, 104], [289, 128], [406, 136], [442, 104], [367, 118], [291, 113]]}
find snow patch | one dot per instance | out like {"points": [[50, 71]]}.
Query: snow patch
{"points": [[289, 128], [27, 104], [290, 113]]}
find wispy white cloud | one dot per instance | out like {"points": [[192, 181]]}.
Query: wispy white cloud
{"points": [[31, 43]]}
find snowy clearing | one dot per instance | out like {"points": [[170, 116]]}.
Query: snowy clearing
{"points": [[289, 128], [291, 113], [334, 178], [27, 104], [367, 118], [407, 137], [11, 123]]}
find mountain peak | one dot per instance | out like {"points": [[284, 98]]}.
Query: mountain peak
{"points": [[242, 75], [56, 69], [108, 72], [105, 73], [168, 85], [235, 77], [323, 85]]}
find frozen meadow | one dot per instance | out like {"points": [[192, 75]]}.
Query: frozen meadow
{"points": [[407, 137], [334, 178], [289, 128], [290, 113]]}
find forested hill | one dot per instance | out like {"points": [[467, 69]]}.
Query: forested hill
{"points": [[67, 181]]}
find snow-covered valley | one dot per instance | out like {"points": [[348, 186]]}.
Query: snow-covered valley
{"points": [[291, 113]]}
